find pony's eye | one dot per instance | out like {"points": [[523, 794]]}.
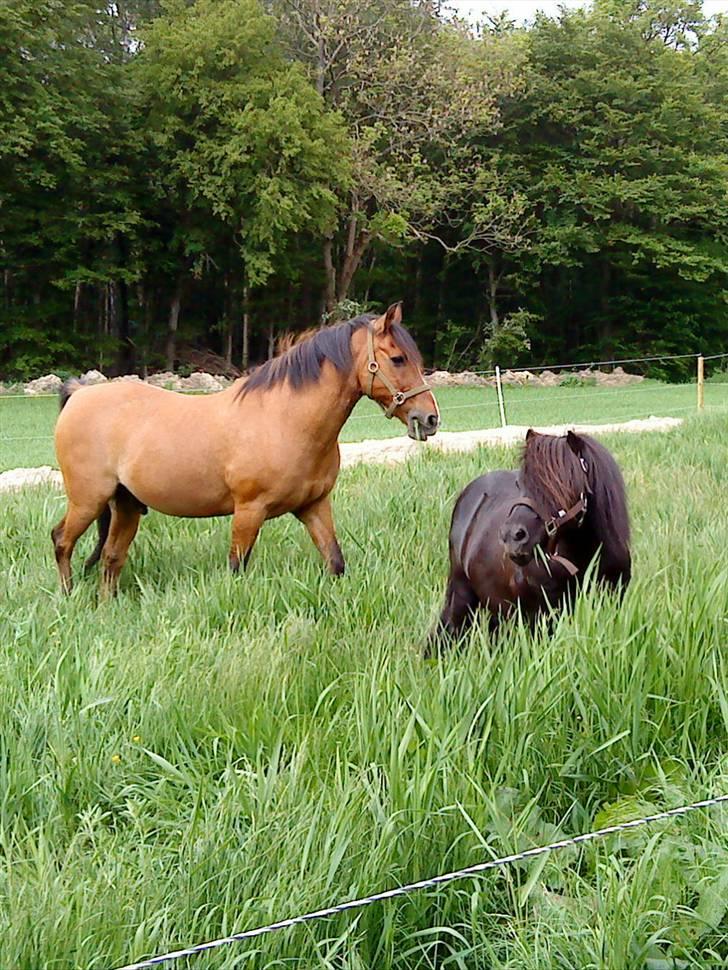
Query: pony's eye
{"points": [[398, 361]]}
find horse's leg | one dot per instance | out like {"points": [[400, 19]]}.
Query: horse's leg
{"points": [[125, 515], [247, 520], [319, 520], [66, 534], [457, 613]]}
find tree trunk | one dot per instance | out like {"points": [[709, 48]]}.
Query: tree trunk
{"points": [[357, 242], [417, 303], [330, 294], [77, 305], [144, 298], [175, 306], [493, 281], [125, 361], [229, 324], [246, 327], [605, 323]]}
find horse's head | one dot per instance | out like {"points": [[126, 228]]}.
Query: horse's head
{"points": [[522, 531], [390, 373], [554, 481]]}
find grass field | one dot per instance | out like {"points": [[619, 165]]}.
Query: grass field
{"points": [[208, 753], [26, 424]]}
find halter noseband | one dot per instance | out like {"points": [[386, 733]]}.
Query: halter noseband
{"points": [[559, 519], [398, 397]]}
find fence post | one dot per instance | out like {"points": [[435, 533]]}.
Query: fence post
{"points": [[499, 389], [701, 382]]}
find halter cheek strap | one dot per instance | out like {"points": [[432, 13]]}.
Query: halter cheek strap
{"points": [[398, 397], [559, 519]]}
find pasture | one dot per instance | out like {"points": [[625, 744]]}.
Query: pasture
{"points": [[207, 753], [26, 423]]}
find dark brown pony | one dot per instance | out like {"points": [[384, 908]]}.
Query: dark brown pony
{"points": [[525, 539], [266, 446]]}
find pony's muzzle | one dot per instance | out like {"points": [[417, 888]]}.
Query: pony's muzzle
{"points": [[518, 543], [421, 424]]}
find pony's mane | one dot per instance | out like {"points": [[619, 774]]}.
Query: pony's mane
{"points": [[551, 473], [553, 476], [301, 357]]}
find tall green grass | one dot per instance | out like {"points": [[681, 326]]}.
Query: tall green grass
{"points": [[207, 753]]}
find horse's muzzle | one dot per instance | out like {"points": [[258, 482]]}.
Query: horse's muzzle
{"points": [[421, 425]]}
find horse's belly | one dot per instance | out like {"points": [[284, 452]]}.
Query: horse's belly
{"points": [[176, 489]]}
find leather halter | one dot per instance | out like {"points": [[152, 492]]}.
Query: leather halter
{"points": [[398, 397], [559, 519]]}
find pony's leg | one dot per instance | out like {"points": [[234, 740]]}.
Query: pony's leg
{"points": [[125, 517], [247, 520], [66, 534], [319, 520], [457, 613]]}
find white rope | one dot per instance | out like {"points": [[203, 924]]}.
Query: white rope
{"points": [[422, 884]]}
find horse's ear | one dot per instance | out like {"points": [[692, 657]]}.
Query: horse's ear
{"points": [[575, 443], [531, 434], [391, 318]]}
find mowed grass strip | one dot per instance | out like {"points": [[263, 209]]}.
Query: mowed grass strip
{"points": [[208, 753], [26, 424]]}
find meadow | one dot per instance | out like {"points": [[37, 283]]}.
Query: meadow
{"points": [[26, 423], [207, 753]]}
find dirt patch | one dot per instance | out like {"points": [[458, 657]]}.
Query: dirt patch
{"points": [[391, 451]]}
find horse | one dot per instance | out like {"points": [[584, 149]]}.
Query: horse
{"points": [[525, 539], [265, 446]]}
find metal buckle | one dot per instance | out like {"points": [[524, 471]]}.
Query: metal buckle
{"points": [[372, 367], [398, 398], [551, 527]]}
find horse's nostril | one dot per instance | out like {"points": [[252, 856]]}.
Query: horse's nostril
{"points": [[431, 420], [519, 535]]}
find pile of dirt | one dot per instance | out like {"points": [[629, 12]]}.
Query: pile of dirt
{"points": [[525, 378], [216, 376]]}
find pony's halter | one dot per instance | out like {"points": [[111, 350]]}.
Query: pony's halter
{"points": [[561, 517], [398, 397]]}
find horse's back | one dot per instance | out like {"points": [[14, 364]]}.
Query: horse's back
{"points": [[480, 497], [157, 443]]}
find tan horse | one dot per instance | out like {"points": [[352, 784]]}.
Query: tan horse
{"points": [[265, 446]]}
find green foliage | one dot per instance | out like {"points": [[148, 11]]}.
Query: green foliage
{"points": [[241, 135], [508, 342], [170, 170]]}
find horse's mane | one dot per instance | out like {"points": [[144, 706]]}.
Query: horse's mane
{"points": [[300, 357], [553, 476]]}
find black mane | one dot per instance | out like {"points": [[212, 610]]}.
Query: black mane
{"points": [[301, 364], [554, 477]]}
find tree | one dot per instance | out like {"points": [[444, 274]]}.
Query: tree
{"points": [[247, 150], [412, 90], [627, 192]]}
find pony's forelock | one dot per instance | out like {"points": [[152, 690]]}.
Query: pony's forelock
{"points": [[554, 477]]}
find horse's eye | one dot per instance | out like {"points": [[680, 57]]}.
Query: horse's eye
{"points": [[398, 361]]}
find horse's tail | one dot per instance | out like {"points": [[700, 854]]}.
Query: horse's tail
{"points": [[68, 388], [103, 522]]}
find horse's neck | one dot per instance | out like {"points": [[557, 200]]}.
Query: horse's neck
{"points": [[319, 410]]}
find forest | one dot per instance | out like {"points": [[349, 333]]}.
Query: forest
{"points": [[181, 178]]}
